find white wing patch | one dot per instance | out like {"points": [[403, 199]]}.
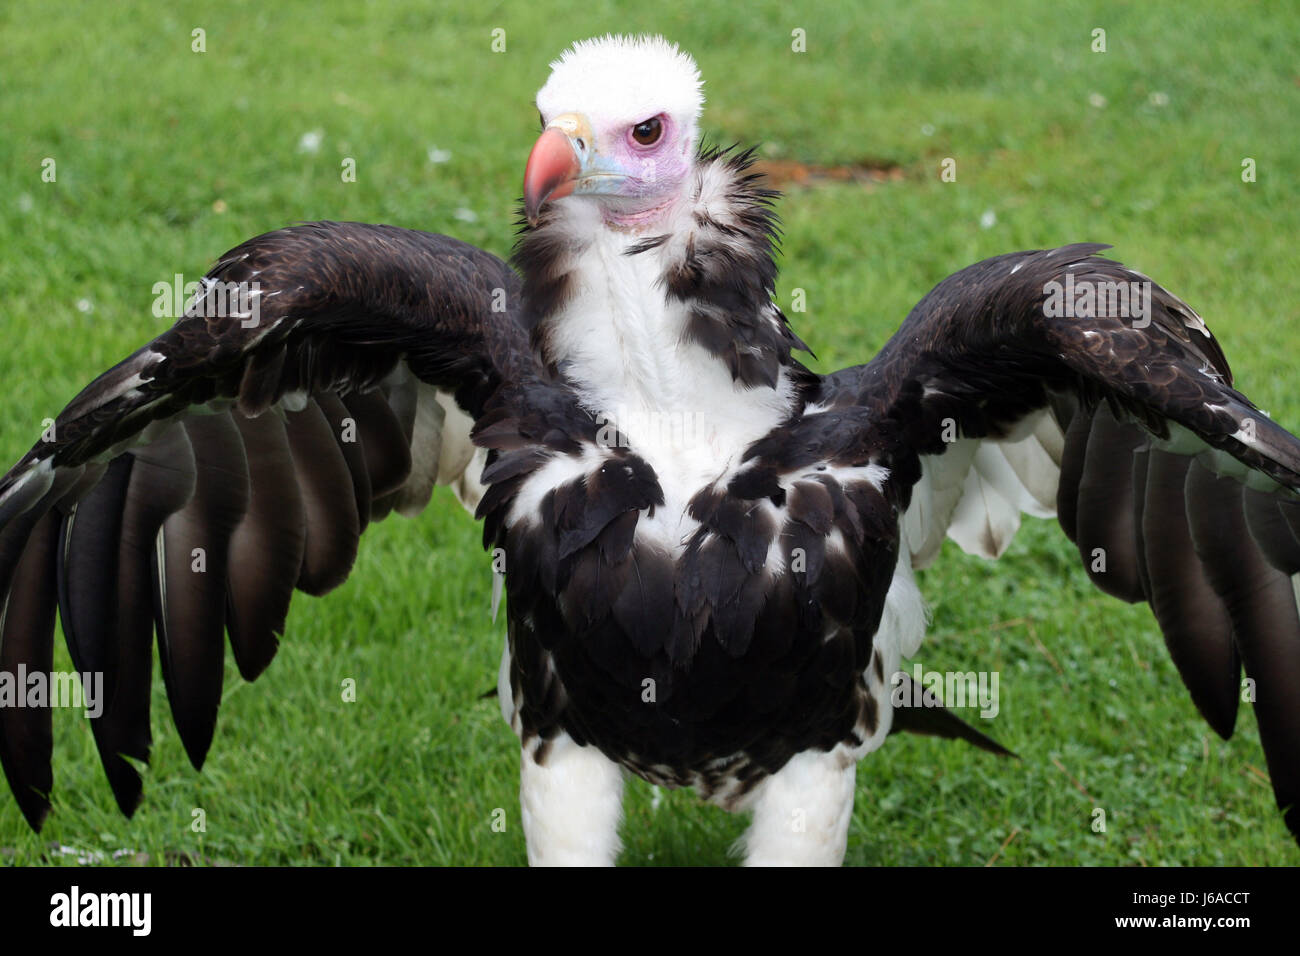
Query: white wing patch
{"points": [[934, 498], [985, 521], [976, 492]]}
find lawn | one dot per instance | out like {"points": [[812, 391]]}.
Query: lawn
{"points": [[165, 157]]}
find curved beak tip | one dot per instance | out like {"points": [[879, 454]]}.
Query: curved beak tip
{"points": [[552, 171]]}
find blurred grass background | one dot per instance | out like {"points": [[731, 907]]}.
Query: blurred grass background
{"points": [[166, 157]]}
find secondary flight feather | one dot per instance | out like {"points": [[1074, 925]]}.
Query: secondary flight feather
{"points": [[708, 548]]}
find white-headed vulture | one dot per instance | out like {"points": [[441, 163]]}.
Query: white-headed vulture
{"points": [[708, 549]]}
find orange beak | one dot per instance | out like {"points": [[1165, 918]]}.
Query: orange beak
{"points": [[552, 171]]}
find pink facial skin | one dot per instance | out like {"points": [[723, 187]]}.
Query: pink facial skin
{"points": [[654, 171], [634, 183]]}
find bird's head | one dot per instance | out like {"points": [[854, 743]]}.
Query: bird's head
{"points": [[620, 119]]}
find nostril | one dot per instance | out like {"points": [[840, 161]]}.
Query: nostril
{"points": [[581, 144]]}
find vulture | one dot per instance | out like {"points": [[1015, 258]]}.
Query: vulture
{"points": [[707, 549]]}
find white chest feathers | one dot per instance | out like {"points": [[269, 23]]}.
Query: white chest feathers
{"points": [[621, 341]]}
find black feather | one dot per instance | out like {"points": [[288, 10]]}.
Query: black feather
{"points": [[266, 548], [190, 564]]}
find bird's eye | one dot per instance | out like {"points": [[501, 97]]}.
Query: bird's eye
{"points": [[647, 133]]}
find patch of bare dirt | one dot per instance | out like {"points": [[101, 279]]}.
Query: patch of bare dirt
{"points": [[784, 173]]}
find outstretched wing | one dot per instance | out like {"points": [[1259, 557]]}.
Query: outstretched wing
{"points": [[325, 375], [1021, 384]]}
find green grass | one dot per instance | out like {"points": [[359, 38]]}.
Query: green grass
{"points": [[165, 158]]}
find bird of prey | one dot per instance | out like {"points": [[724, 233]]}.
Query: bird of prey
{"points": [[708, 549]]}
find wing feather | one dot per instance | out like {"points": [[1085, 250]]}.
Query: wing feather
{"points": [[191, 487], [1175, 489], [27, 645], [267, 547]]}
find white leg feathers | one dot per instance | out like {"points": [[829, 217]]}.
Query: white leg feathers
{"points": [[802, 812], [572, 804]]}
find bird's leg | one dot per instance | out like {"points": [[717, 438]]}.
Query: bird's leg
{"points": [[572, 801], [801, 813]]}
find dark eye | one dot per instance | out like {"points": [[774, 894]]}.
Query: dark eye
{"points": [[648, 132]]}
